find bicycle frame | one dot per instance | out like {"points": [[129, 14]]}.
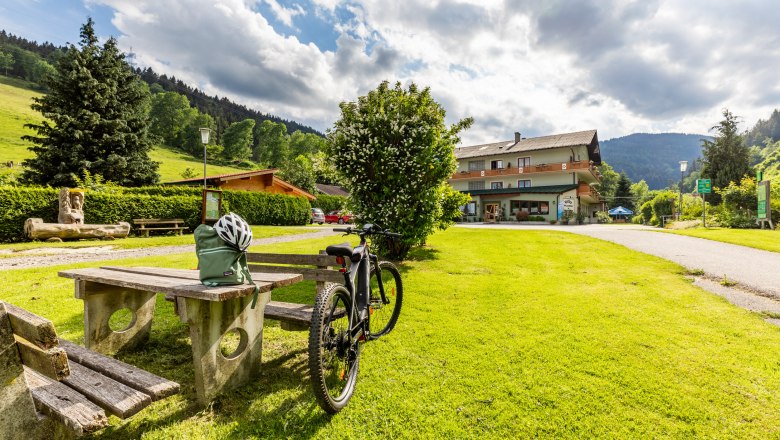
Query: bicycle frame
{"points": [[360, 273]]}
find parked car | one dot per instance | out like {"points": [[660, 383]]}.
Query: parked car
{"points": [[339, 217], [317, 216]]}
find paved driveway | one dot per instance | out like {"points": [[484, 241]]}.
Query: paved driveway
{"points": [[759, 270]]}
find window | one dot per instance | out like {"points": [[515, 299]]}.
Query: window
{"points": [[523, 162], [524, 183], [530, 206], [476, 165], [471, 208], [496, 185], [480, 184], [496, 164]]}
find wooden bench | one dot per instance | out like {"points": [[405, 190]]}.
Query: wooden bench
{"points": [[321, 268], [159, 224], [53, 388]]}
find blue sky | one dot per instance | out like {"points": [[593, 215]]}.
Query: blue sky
{"points": [[619, 66]]}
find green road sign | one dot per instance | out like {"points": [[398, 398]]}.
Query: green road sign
{"points": [[704, 186], [763, 197]]}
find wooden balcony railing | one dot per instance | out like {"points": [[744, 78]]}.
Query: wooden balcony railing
{"points": [[532, 169], [585, 190]]}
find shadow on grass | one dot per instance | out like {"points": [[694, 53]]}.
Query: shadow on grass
{"points": [[424, 253]]}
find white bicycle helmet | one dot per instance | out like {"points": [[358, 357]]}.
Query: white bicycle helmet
{"points": [[234, 230]]}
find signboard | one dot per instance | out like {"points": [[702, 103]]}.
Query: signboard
{"points": [[212, 204], [568, 204], [704, 186], [763, 201]]}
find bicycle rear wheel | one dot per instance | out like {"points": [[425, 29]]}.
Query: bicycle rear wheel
{"points": [[384, 314], [333, 355]]}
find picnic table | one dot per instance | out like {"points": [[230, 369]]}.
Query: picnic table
{"points": [[211, 313]]}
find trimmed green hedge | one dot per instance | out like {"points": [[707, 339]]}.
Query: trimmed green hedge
{"points": [[17, 204], [329, 203]]}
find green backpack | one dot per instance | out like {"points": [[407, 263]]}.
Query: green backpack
{"points": [[220, 264]]}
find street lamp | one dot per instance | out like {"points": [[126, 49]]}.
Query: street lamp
{"points": [[683, 167], [204, 137]]}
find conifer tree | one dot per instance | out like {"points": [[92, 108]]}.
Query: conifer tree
{"points": [[726, 159], [96, 119]]}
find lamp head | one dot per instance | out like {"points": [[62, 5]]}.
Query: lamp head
{"points": [[204, 135], [683, 165]]}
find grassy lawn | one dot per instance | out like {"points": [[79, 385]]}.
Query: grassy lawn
{"points": [[766, 239], [153, 241], [503, 334]]}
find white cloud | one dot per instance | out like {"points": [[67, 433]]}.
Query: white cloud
{"points": [[514, 65]]}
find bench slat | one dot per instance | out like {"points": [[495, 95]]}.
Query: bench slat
{"points": [[276, 279], [157, 220], [151, 283], [291, 312], [65, 404], [326, 275], [301, 259], [155, 386], [33, 328], [52, 362], [167, 228], [112, 396]]}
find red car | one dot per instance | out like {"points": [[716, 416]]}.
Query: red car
{"points": [[339, 217]]}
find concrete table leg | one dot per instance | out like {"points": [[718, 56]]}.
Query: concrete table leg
{"points": [[209, 322], [100, 302]]}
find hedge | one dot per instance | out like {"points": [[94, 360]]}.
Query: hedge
{"points": [[17, 204], [329, 203]]}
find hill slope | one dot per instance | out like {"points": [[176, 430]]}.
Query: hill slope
{"points": [[652, 157], [15, 111]]}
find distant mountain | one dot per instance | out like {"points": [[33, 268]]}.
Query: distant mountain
{"points": [[652, 157]]}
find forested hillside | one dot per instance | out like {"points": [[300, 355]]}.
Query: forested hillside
{"points": [[652, 157]]}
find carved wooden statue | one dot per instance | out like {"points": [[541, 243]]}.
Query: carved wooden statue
{"points": [[70, 222], [71, 207]]}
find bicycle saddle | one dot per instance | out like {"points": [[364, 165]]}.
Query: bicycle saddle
{"points": [[339, 250]]}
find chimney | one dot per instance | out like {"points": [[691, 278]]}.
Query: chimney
{"points": [[517, 137]]}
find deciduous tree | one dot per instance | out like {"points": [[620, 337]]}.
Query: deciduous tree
{"points": [[96, 119], [395, 153], [237, 140]]}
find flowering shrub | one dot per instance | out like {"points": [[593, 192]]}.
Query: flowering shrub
{"points": [[394, 152]]}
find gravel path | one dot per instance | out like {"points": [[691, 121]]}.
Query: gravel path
{"points": [[98, 253], [754, 271]]}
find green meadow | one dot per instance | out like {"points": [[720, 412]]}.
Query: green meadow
{"points": [[766, 239], [503, 334], [15, 112]]}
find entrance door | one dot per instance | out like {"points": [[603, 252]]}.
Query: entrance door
{"points": [[491, 209]]}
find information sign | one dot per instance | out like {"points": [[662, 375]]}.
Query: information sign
{"points": [[212, 204], [704, 186]]}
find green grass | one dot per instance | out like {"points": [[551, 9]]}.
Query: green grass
{"points": [[766, 239], [15, 111], [152, 241], [503, 334]]}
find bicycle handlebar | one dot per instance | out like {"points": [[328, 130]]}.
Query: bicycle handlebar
{"points": [[350, 230]]}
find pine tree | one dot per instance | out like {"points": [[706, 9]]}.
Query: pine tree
{"points": [[727, 159], [623, 196], [96, 119]]}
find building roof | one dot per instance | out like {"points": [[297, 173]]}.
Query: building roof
{"points": [[332, 190], [216, 180], [550, 189], [588, 138]]}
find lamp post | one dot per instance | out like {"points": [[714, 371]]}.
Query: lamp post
{"points": [[204, 137], [683, 167]]}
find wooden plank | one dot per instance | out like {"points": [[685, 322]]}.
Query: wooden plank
{"points": [[167, 228], [327, 275], [33, 328], [291, 312], [155, 386], [65, 404], [157, 220], [276, 279], [173, 286], [300, 259], [114, 397], [52, 362]]}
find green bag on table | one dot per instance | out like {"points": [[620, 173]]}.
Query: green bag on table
{"points": [[220, 264]]}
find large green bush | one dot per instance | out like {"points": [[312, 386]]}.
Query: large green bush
{"points": [[17, 204]]}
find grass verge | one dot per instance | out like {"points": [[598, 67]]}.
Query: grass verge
{"points": [[765, 239], [512, 334]]}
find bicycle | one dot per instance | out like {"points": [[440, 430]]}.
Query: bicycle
{"points": [[347, 315]]}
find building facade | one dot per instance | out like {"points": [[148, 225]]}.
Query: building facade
{"points": [[256, 180], [550, 176]]}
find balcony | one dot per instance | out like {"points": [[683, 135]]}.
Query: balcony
{"points": [[579, 166], [588, 194]]}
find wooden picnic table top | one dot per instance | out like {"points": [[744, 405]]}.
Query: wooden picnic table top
{"points": [[178, 282]]}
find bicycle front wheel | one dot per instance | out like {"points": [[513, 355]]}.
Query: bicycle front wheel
{"points": [[333, 354], [384, 312]]}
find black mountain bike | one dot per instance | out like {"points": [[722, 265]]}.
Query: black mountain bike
{"points": [[364, 308]]}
